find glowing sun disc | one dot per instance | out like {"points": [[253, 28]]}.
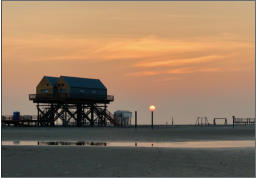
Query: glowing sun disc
{"points": [[152, 108]]}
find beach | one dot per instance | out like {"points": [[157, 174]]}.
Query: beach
{"points": [[128, 161], [182, 133]]}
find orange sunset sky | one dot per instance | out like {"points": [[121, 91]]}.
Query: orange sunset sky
{"points": [[189, 59]]}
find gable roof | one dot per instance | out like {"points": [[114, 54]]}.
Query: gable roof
{"points": [[77, 82], [52, 80]]}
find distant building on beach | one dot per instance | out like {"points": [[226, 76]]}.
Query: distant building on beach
{"points": [[77, 87], [47, 86], [72, 100], [74, 87], [123, 118]]}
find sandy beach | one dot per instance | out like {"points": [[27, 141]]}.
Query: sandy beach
{"points": [[77, 161], [127, 161]]}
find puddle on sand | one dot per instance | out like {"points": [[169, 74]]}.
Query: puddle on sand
{"points": [[186, 144]]}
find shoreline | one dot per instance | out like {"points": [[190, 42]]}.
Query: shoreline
{"points": [[128, 134], [76, 161]]}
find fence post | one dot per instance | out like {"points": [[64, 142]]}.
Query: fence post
{"points": [[233, 121]]}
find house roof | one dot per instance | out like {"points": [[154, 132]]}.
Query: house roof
{"points": [[52, 80], [83, 82], [122, 111]]}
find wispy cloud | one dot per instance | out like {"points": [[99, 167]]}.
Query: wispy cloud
{"points": [[141, 49], [175, 62], [147, 56], [142, 73], [191, 70], [177, 71]]}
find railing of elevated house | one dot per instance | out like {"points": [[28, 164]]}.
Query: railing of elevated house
{"points": [[73, 96]]}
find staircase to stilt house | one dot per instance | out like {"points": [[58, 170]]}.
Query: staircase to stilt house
{"points": [[109, 116]]}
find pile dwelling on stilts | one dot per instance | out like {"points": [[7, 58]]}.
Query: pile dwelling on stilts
{"points": [[74, 101]]}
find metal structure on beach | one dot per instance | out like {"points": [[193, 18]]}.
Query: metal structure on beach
{"points": [[224, 118], [73, 100], [243, 121], [202, 121], [123, 118]]}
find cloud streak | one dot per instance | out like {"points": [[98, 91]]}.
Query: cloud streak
{"points": [[143, 73], [176, 71], [176, 62], [122, 48], [146, 56], [192, 70]]}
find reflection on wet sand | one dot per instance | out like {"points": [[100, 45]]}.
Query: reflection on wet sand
{"points": [[72, 143], [187, 144]]}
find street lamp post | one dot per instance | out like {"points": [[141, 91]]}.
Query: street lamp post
{"points": [[152, 109], [152, 120], [135, 119]]}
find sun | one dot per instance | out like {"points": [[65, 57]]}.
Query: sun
{"points": [[152, 108]]}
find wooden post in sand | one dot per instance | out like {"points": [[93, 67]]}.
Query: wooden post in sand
{"points": [[233, 121]]}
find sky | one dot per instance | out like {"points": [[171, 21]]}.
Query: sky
{"points": [[189, 59]]}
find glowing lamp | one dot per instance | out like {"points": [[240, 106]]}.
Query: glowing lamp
{"points": [[152, 108]]}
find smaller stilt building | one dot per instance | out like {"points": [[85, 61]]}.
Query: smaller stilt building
{"points": [[73, 101]]}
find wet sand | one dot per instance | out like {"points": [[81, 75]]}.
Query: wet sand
{"points": [[127, 161], [78, 161], [189, 133]]}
